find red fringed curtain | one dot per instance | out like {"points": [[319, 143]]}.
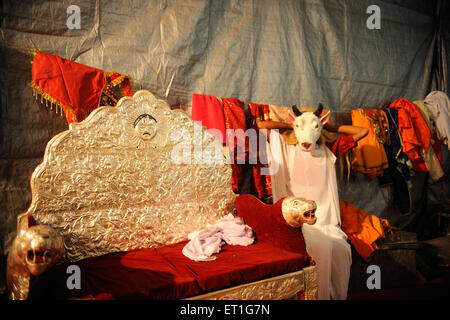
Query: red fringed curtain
{"points": [[74, 87]]}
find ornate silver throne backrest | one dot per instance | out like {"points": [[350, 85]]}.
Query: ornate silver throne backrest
{"points": [[133, 176]]}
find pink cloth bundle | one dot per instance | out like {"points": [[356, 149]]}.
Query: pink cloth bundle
{"points": [[208, 241]]}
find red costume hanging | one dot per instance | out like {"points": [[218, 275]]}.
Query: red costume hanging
{"points": [[234, 112], [207, 110], [414, 131], [263, 184]]}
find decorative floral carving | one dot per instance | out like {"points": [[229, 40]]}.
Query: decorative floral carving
{"points": [[281, 287], [111, 182]]}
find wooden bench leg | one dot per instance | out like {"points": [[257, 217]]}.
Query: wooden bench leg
{"points": [[310, 292]]}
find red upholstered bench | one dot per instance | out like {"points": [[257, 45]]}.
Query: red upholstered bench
{"points": [[120, 202], [165, 273]]}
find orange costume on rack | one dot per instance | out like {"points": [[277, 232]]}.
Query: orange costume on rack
{"points": [[361, 228], [369, 157], [414, 131]]}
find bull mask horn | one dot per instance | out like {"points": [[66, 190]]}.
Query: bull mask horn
{"points": [[297, 112], [319, 110]]}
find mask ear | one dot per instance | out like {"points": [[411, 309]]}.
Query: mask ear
{"points": [[291, 117], [324, 119]]}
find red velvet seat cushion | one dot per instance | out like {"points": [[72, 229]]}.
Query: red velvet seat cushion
{"points": [[238, 264], [133, 274], [165, 273]]}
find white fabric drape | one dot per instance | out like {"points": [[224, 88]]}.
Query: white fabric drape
{"points": [[278, 155], [311, 175]]}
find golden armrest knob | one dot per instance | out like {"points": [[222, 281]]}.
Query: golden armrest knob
{"points": [[33, 251], [297, 211]]}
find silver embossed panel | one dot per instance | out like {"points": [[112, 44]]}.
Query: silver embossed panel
{"points": [[137, 175]]}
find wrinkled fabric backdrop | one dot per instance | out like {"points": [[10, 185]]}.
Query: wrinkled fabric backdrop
{"points": [[273, 52]]}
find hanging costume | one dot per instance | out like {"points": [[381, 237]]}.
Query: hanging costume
{"points": [[439, 106], [263, 183], [219, 115], [399, 171], [312, 175], [235, 124], [432, 157], [414, 130], [369, 156], [208, 112]]}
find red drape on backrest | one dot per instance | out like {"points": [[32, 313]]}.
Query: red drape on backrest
{"points": [[75, 87]]}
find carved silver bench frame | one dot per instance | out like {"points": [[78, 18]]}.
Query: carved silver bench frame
{"points": [[134, 176]]}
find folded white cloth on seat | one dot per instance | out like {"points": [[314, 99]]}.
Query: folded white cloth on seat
{"points": [[208, 241]]}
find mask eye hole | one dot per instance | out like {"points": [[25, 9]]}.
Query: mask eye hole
{"points": [[30, 255]]}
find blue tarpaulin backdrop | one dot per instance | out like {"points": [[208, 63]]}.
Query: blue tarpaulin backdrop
{"points": [[263, 51]]}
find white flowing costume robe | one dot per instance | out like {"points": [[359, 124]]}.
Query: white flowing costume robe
{"points": [[312, 175]]}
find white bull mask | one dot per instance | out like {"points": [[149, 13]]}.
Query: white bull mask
{"points": [[308, 126]]}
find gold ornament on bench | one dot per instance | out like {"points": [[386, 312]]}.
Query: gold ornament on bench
{"points": [[297, 211], [34, 251], [138, 175]]}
